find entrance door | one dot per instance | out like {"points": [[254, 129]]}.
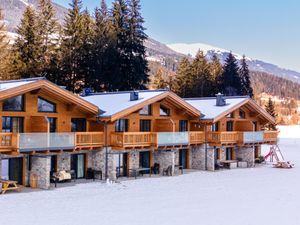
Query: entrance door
{"points": [[183, 158], [229, 153], [53, 166], [121, 162], [15, 169], [145, 159], [78, 165]]}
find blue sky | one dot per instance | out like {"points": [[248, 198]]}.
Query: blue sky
{"points": [[263, 29]]}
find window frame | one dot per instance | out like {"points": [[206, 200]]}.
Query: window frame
{"points": [[118, 125], [20, 121], [242, 114], [75, 121], [46, 100], [183, 124], [142, 125], [51, 124], [22, 104]]}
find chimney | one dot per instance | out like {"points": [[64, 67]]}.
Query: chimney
{"points": [[220, 100], [134, 95]]}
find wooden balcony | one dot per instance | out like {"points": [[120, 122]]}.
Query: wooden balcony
{"points": [[130, 140], [29, 142], [242, 138]]}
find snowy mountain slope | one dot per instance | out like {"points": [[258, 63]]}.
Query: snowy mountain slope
{"points": [[254, 64], [13, 10]]}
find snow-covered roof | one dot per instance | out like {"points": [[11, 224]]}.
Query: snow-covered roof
{"points": [[210, 110], [5, 85], [113, 102]]}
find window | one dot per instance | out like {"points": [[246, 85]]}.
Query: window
{"points": [[215, 127], [229, 153], [242, 114], [163, 111], [14, 104], [12, 124], [121, 125], [146, 110], [183, 125], [45, 105], [78, 125], [52, 124], [230, 115], [145, 125]]}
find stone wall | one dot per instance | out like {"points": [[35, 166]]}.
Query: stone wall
{"points": [[64, 161], [134, 161], [245, 154], [222, 153], [165, 159], [200, 160], [40, 167]]}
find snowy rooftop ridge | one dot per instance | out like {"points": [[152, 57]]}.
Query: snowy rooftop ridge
{"points": [[208, 106], [7, 84], [113, 102]]}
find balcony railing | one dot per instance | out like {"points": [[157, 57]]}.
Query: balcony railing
{"points": [[197, 137], [25, 142], [223, 137], [132, 139], [172, 138]]}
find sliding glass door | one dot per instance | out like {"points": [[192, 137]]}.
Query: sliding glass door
{"points": [[78, 165]]}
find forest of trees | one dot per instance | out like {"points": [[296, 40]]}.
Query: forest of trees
{"points": [[203, 77], [103, 51]]}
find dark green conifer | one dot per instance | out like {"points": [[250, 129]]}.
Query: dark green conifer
{"points": [[245, 78], [270, 108]]}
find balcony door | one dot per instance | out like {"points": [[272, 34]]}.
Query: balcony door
{"points": [[229, 126], [183, 125], [122, 164], [12, 124], [78, 125], [78, 165], [145, 125]]}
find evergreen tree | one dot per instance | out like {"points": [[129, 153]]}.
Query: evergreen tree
{"points": [[26, 47], [48, 31], [158, 81], [270, 108], [216, 70], [230, 80], [245, 79], [184, 79], [104, 51], [139, 65], [71, 47], [202, 81], [4, 51]]}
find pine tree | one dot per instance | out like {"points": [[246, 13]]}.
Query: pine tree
{"points": [[4, 51], [230, 79], [71, 47], [48, 31], [139, 65], [158, 81], [270, 108], [26, 47], [201, 77], [184, 79], [216, 70], [104, 51], [245, 79]]}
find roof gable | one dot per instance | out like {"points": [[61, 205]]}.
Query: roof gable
{"points": [[117, 105], [9, 89]]}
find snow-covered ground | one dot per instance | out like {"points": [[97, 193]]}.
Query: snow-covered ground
{"points": [[257, 196]]}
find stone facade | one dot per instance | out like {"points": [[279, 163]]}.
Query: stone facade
{"points": [[64, 161], [245, 154], [202, 160], [133, 160], [40, 167], [222, 153], [165, 159]]}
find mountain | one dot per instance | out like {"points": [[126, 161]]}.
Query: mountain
{"points": [[254, 64], [13, 11]]}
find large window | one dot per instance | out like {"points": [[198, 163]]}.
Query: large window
{"points": [[146, 111], [52, 124], [14, 104], [78, 125], [12, 124], [45, 105], [145, 125], [242, 114], [183, 125], [164, 111], [121, 125]]}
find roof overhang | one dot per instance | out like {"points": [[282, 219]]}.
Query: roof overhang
{"points": [[49, 88]]}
